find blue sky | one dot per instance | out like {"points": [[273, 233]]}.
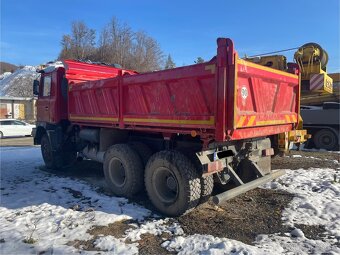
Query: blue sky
{"points": [[31, 30]]}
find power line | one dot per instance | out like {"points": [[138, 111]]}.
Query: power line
{"points": [[273, 52]]}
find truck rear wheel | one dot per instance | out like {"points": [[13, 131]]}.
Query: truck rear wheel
{"points": [[172, 183], [52, 159], [325, 139], [123, 170], [207, 186], [143, 151]]}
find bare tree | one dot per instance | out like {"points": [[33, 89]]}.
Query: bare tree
{"points": [[147, 55], [66, 51], [117, 44], [80, 44]]}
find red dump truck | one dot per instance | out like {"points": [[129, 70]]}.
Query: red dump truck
{"points": [[175, 132]]}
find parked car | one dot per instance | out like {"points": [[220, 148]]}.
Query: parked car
{"points": [[13, 127]]}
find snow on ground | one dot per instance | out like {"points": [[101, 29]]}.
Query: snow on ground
{"points": [[37, 204], [49, 211]]}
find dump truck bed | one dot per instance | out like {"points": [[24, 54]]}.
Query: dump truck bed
{"points": [[224, 99]]}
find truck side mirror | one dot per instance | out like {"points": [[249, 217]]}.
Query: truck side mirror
{"points": [[36, 88]]}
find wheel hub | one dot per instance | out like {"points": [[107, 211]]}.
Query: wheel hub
{"points": [[165, 185], [171, 183], [326, 140], [117, 172]]}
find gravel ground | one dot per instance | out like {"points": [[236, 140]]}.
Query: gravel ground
{"points": [[307, 159]]}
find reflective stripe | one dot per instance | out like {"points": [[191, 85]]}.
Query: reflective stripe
{"points": [[251, 120], [241, 121]]}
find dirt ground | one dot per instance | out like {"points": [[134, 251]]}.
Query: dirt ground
{"points": [[242, 218]]}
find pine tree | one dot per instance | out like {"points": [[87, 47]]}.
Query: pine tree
{"points": [[169, 63]]}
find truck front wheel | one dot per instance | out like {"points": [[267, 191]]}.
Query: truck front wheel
{"points": [[52, 159], [123, 170], [172, 183]]}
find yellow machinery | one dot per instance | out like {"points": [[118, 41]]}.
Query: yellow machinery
{"points": [[275, 61], [312, 61]]}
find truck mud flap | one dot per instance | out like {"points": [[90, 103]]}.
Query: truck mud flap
{"points": [[246, 187]]}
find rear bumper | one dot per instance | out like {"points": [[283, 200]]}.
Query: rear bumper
{"points": [[246, 187]]}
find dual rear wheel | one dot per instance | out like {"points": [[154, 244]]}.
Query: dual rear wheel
{"points": [[173, 183]]}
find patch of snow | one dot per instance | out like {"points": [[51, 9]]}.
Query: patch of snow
{"points": [[296, 156], [29, 68], [111, 244], [317, 199], [155, 227], [288, 245], [4, 75], [51, 66], [207, 244], [18, 81], [296, 232], [37, 204]]}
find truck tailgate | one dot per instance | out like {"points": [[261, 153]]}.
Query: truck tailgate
{"points": [[265, 100]]}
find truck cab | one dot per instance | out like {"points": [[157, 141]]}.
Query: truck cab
{"points": [[52, 92]]}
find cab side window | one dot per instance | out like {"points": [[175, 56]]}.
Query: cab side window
{"points": [[46, 86]]}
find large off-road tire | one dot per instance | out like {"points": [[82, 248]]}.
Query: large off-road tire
{"points": [[51, 158], [172, 183], [123, 170], [325, 139], [207, 182], [143, 151], [207, 186]]}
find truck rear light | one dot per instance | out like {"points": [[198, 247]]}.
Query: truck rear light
{"points": [[268, 152], [215, 166]]}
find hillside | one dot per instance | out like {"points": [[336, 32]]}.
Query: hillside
{"points": [[7, 67]]}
